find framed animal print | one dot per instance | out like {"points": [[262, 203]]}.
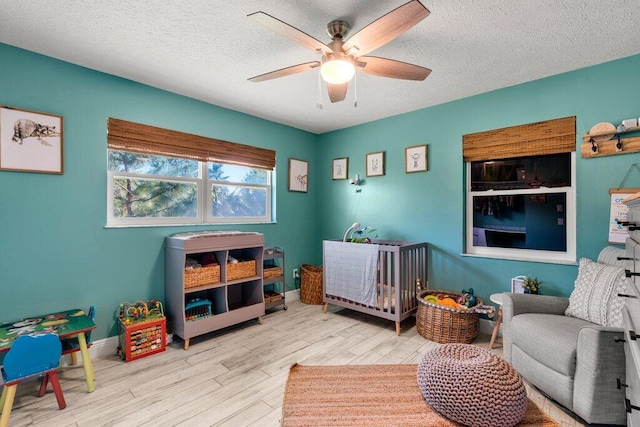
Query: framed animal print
{"points": [[375, 164], [415, 159], [340, 168], [31, 141], [298, 175]]}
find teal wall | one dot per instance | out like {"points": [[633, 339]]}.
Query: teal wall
{"points": [[55, 250], [429, 206], [57, 254]]}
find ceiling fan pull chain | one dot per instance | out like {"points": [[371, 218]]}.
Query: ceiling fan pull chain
{"points": [[319, 100], [355, 90]]}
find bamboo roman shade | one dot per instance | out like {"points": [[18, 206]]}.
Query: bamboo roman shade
{"points": [[533, 139], [134, 137]]}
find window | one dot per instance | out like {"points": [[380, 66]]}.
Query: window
{"points": [[161, 177], [142, 188], [522, 206], [238, 193], [155, 190]]}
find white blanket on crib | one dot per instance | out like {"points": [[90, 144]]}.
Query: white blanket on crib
{"points": [[350, 271]]}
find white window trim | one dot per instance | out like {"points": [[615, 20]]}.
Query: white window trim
{"points": [[210, 219], [552, 257], [203, 216]]}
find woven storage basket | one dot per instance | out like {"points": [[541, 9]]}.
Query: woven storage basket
{"points": [[446, 324], [269, 272], [311, 284], [201, 276], [241, 269], [271, 296]]}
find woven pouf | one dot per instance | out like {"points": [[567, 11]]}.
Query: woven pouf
{"points": [[472, 386]]}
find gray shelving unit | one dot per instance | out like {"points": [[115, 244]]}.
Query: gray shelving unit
{"points": [[275, 287], [232, 300]]}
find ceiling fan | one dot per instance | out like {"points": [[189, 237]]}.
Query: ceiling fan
{"points": [[342, 58]]}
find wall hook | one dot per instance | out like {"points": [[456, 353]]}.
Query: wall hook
{"points": [[594, 146]]}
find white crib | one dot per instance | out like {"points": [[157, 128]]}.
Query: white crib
{"points": [[400, 264]]}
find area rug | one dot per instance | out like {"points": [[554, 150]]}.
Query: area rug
{"points": [[366, 395]]}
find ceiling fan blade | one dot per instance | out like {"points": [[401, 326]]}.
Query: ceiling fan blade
{"points": [[337, 92], [283, 72], [384, 67], [292, 33], [386, 28]]}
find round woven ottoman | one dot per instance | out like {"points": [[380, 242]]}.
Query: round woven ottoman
{"points": [[472, 386]]}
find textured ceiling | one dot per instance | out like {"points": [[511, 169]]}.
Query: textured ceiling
{"points": [[207, 49]]}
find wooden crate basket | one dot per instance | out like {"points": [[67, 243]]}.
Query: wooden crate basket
{"points": [[201, 276], [311, 284], [241, 269], [269, 272], [446, 324], [271, 296]]}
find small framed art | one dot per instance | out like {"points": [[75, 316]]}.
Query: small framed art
{"points": [[375, 164], [340, 168], [516, 284], [298, 175], [415, 159], [30, 141]]}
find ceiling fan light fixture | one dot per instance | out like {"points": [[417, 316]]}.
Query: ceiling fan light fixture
{"points": [[337, 69], [342, 55]]}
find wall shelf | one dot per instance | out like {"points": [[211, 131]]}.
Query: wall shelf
{"points": [[616, 145]]}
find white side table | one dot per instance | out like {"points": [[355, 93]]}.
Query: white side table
{"points": [[496, 298]]}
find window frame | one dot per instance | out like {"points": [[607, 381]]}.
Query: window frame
{"points": [[204, 199], [209, 183], [554, 257]]}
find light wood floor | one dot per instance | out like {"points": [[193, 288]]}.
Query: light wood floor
{"points": [[234, 377]]}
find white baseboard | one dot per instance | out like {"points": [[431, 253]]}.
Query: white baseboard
{"points": [[104, 347], [486, 325], [99, 348], [109, 346], [293, 295]]}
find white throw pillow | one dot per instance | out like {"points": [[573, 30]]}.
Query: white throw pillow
{"points": [[595, 295]]}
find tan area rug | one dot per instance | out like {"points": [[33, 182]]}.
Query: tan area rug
{"points": [[366, 395]]}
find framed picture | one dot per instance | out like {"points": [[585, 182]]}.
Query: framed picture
{"points": [[375, 164], [340, 168], [298, 175], [516, 284], [30, 141], [415, 159]]}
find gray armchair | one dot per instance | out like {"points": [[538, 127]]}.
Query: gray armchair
{"points": [[572, 361]]}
